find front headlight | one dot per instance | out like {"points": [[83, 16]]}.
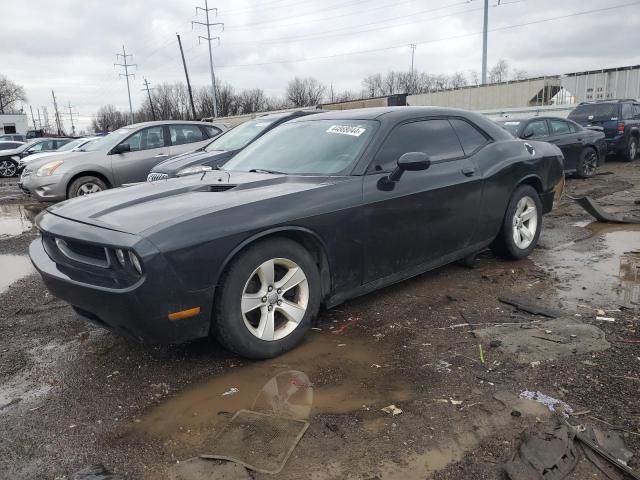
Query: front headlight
{"points": [[48, 169], [15, 157], [193, 170]]}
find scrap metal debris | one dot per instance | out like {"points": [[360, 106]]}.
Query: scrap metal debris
{"points": [[553, 404], [601, 214], [530, 308], [392, 409]]}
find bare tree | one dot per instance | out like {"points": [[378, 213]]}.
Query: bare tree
{"points": [[519, 75], [458, 80], [474, 76], [10, 95], [108, 119], [305, 92], [499, 72], [251, 101]]}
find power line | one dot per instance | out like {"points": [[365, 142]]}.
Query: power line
{"points": [[209, 39], [126, 75], [435, 40]]}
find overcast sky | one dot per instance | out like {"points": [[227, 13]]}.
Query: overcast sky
{"points": [[70, 45]]}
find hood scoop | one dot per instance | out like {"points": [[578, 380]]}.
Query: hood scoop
{"points": [[214, 188]]}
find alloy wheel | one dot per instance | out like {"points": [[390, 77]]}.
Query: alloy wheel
{"points": [[590, 163], [633, 150], [274, 299], [525, 222], [7, 168], [88, 188]]}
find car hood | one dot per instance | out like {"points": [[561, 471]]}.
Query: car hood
{"points": [[152, 205], [177, 163], [67, 157], [13, 151], [38, 156]]}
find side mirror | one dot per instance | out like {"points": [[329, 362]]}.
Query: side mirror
{"points": [[412, 162], [121, 148], [527, 135]]}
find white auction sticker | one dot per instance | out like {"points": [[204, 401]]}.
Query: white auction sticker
{"points": [[346, 130]]}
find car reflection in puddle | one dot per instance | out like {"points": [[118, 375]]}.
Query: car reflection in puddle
{"points": [[14, 267], [17, 219], [603, 268]]}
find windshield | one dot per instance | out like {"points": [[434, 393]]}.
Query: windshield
{"points": [[312, 147], [108, 140], [595, 111], [71, 145], [511, 126], [239, 136]]}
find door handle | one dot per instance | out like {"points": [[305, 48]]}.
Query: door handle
{"points": [[162, 155], [468, 171], [579, 139]]}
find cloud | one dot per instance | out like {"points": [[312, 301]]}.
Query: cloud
{"points": [[70, 45]]}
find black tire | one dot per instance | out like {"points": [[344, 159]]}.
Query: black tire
{"points": [[8, 168], [628, 155], [504, 244], [587, 163], [228, 322], [80, 186]]}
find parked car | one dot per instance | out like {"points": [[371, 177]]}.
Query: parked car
{"points": [[317, 211], [124, 156], [620, 121], [9, 158], [73, 146], [583, 149], [222, 148], [10, 145], [13, 137]]}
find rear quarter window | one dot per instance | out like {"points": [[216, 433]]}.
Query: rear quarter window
{"points": [[470, 137]]}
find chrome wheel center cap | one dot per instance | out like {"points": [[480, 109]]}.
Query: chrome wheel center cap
{"points": [[272, 298]]}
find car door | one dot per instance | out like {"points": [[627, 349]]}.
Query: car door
{"points": [[567, 140], [426, 215], [186, 138], [148, 147]]}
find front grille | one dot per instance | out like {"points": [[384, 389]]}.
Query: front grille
{"points": [[153, 176]]}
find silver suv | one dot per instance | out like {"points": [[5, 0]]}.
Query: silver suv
{"points": [[124, 156]]}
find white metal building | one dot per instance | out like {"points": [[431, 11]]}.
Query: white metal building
{"points": [[17, 123]]}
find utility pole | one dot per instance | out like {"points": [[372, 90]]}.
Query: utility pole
{"points": [[73, 127], [33, 119], [47, 126], [146, 87], [126, 75], [55, 106], [484, 41], [186, 74], [209, 39], [413, 52], [39, 119]]}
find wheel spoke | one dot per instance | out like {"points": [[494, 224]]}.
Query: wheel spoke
{"points": [[528, 214], [266, 273], [251, 301], [293, 277], [292, 311], [524, 231], [267, 325], [516, 235]]}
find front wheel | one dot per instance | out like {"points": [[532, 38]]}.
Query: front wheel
{"points": [[8, 168], [86, 186], [588, 163], [632, 150], [267, 299], [521, 225]]}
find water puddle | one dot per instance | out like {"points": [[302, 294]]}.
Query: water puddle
{"points": [[604, 268], [327, 374], [17, 219], [13, 267]]}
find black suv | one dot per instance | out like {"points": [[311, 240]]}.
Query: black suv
{"points": [[620, 121]]}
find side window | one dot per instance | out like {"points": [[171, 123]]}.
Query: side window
{"points": [[559, 127], [60, 143], [536, 129], [470, 137], [436, 138], [636, 112], [38, 147], [212, 131], [181, 134], [152, 137], [627, 111], [573, 127]]}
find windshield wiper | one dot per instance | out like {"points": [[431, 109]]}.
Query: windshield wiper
{"points": [[262, 170]]}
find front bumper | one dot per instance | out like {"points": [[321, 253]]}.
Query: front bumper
{"points": [[138, 310], [44, 189], [615, 145]]}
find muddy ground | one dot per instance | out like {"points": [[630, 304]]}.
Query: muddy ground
{"points": [[73, 395]]}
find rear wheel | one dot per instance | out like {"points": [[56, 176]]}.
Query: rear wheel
{"points": [[267, 299], [8, 168], [86, 186], [587, 163], [632, 150], [521, 225]]}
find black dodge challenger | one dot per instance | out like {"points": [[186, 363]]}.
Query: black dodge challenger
{"points": [[319, 210]]}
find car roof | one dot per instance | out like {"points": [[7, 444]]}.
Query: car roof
{"points": [[168, 122], [502, 120]]}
